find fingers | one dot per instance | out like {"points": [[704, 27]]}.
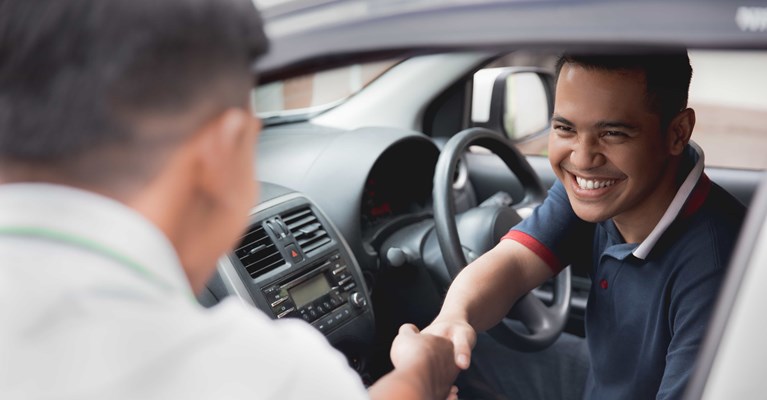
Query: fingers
{"points": [[461, 334], [462, 340]]}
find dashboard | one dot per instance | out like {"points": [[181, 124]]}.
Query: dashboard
{"points": [[292, 263], [364, 179], [325, 194]]}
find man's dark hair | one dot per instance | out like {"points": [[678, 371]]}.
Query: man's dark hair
{"points": [[667, 76], [82, 77]]}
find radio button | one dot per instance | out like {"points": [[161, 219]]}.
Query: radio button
{"points": [[286, 313], [339, 317], [275, 295], [278, 302], [282, 307], [294, 254], [330, 322], [271, 289], [350, 286]]}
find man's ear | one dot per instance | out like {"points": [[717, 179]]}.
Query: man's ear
{"points": [[217, 145], [680, 130]]}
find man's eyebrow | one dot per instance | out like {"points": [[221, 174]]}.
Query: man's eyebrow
{"points": [[561, 119], [615, 124], [605, 124]]}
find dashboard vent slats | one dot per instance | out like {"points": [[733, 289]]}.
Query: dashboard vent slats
{"points": [[258, 253], [306, 229]]}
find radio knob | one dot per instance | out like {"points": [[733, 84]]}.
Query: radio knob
{"points": [[358, 300]]}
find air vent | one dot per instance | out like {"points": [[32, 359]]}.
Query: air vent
{"points": [[258, 253], [306, 229]]}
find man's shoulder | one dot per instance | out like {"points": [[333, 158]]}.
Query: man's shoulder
{"points": [[720, 217], [708, 236], [720, 203]]}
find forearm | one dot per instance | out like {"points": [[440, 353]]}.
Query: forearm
{"points": [[485, 290]]}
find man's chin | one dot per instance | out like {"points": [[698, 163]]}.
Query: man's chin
{"points": [[592, 214]]}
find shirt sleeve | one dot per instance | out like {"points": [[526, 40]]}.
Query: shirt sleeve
{"points": [[554, 232]]}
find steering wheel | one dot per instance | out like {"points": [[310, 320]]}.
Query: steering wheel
{"points": [[543, 323]]}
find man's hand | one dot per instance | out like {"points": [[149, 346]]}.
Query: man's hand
{"points": [[460, 333], [433, 355]]}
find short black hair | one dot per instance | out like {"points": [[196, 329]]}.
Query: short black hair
{"points": [[77, 76], [667, 75]]}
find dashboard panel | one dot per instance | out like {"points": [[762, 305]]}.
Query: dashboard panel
{"points": [[292, 263]]}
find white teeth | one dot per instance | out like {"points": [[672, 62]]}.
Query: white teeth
{"points": [[589, 184]]}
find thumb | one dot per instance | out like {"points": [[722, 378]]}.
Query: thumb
{"points": [[408, 328], [462, 346]]}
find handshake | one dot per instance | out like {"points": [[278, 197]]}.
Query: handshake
{"points": [[428, 361]]}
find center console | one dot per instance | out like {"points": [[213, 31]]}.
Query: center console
{"points": [[292, 263]]}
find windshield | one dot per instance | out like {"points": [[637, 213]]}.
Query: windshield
{"points": [[306, 95]]}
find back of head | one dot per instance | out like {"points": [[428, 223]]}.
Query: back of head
{"points": [[667, 75], [90, 87]]}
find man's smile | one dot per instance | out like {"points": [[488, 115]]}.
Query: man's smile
{"points": [[592, 187], [590, 184]]}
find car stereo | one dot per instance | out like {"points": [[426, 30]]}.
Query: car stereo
{"points": [[325, 294]]}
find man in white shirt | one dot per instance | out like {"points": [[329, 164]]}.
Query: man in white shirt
{"points": [[126, 170]]}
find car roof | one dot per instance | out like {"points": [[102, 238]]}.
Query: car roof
{"points": [[307, 34]]}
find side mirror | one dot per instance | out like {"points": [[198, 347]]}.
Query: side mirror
{"points": [[517, 101]]}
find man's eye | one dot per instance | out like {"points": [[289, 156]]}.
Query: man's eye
{"points": [[614, 134], [563, 128]]}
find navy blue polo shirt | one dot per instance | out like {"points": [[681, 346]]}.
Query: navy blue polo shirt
{"points": [[650, 302]]}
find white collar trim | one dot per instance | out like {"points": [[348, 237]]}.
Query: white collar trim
{"points": [[674, 208]]}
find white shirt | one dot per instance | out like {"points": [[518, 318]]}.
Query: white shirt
{"points": [[94, 305]]}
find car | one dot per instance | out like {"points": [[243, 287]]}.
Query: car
{"points": [[403, 139]]}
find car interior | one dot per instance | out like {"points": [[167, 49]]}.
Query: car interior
{"points": [[375, 196]]}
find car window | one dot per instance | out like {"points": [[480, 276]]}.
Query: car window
{"points": [[727, 92], [316, 91]]}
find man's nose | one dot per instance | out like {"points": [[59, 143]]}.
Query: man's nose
{"points": [[586, 153]]}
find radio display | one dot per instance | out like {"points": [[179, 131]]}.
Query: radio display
{"points": [[306, 292]]}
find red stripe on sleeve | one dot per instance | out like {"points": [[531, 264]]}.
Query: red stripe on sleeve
{"points": [[536, 247]]}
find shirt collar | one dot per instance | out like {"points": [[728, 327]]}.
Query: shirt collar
{"points": [[92, 218], [688, 199]]}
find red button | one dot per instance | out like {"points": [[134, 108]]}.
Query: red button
{"points": [[603, 283]]}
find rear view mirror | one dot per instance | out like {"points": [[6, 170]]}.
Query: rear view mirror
{"points": [[515, 101]]}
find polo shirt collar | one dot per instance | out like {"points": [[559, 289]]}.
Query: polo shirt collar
{"points": [[689, 198], [79, 216]]}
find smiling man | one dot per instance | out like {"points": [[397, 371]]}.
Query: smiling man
{"points": [[633, 205]]}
